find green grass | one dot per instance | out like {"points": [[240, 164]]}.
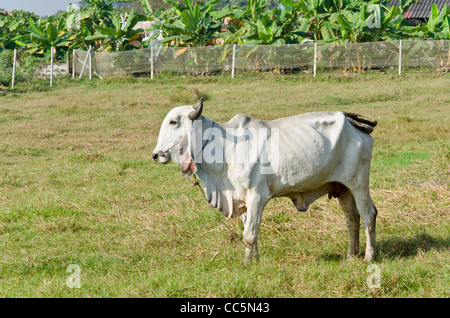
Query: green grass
{"points": [[78, 186]]}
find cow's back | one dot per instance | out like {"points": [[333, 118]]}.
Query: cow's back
{"points": [[310, 149], [308, 145]]}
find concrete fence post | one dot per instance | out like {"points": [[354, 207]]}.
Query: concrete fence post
{"points": [[315, 59], [51, 66], [152, 71], [400, 58], [233, 61], [14, 68]]}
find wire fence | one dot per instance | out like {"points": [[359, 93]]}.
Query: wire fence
{"points": [[310, 55]]}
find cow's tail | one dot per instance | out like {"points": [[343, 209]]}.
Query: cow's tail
{"points": [[365, 124]]}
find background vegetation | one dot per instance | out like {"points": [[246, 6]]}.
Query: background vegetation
{"points": [[185, 23], [78, 186], [112, 25]]}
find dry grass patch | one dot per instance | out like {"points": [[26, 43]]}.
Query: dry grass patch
{"points": [[78, 186]]}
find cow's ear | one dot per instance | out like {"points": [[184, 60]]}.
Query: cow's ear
{"points": [[188, 167]]}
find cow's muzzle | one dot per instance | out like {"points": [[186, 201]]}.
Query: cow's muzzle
{"points": [[161, 157]]}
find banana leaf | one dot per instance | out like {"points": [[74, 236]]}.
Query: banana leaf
{"points": [[51, 32]]}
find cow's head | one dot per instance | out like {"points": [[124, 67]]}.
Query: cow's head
{"points": [[174, 136]]}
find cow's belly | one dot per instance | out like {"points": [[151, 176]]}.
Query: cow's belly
{"points": [[305, 163]]}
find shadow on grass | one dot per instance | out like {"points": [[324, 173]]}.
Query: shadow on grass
{"points": [[333, 257], [395, 247]]}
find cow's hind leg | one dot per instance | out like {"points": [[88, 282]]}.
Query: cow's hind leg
{"points": [[368, 213], [348, 205]]}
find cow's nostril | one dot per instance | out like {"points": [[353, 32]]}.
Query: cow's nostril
{"points": [[155, 156]]}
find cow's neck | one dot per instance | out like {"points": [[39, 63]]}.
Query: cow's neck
{"points": [[204, 134], [219, 190]]}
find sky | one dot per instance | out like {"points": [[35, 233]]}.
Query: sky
{"points": [[40, 7]]}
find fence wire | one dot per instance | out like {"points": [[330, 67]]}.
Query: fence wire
{"points": [[210, 59]]}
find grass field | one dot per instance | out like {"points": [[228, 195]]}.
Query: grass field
{"points": [[78, 186]]}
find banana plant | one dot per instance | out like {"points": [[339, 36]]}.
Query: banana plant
{"points": [[80, 38], [95, 13], [314, 13], [147, 7], [42, 35], [437, 27], [260, 25], [355, 23], [118, 36], [11, 29], [82, 22], [279, 27], [190, 25]]}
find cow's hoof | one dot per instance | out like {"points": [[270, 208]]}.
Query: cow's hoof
{"points": [[351, 257]]}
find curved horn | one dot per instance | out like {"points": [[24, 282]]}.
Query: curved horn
{"points": [[198, 110]]}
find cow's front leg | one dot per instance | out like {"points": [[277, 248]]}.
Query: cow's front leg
{"points": [[244, 218], [255, 207]]}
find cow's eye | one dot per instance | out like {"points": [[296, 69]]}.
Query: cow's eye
{"points": [[173, 122]]}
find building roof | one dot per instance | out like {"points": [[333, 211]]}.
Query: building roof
{"points": [[420, 9]]}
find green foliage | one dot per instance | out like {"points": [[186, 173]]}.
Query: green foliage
{"points": [[42, 35], [216, 22], [190, 24], [114, 35], [437, 28], [261, 25], [28, 66], [11, 27], [328, 21], [82, 23]]}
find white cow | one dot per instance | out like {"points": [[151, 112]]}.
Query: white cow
{"points": [[244, 163]]}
